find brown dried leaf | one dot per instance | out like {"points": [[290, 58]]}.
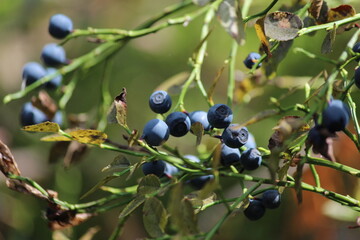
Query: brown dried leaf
{"points": [[75, 152], [63, 218], [341, 12], [121, 108], [282, 26], [45, 103], [8, 164], [23, 187], [315, 8], [260, 32]]}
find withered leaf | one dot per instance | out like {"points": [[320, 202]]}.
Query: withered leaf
{"points": [[75, 152], [315, 8], [45, 103], [43, 127], [260, 32], [282, 26], [22, 187], [63, 218], [121, 108], [89, 136], [8, 164], [341, 12]]}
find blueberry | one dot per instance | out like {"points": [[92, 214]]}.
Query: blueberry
{"points": [[53, 55], [155, 167], [32, 72], [199, 182], [357, 77], [271, 199], [251, 59], [60, 26], [229, 156], [356, 47], [58, 118], [160, 102], [156, 132], [220, 116], [316, 138], [255, 210], [192, 158], [55, 82], [235, 136], [31, 115], [335, 116], [251, 143], [179, 124], [251, 159], [170, 170], [201, 117]]}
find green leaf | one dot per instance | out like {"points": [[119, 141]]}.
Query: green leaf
{"points": [[201, 2], [42, 127], [154, 217], [329, 40], [132, 206], [119, 162], [282, 26], [89, 136], [277, 56], [148, 185], [231, 19]]}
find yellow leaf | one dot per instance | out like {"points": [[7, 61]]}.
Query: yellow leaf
{"points": [[90, 136], [55, 138], [42, 127]]}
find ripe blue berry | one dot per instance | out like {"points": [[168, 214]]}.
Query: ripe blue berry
{"points": [[53, 55], [229, 156], [170, 170], [199, 182], [160, 102], [155, 167], [251, 159], [55, 82], [220, 116], [179, 124], [235, 136], [335, 116], [201, 117], [31, 115], [251, 59], [156, 132], [255, 210], [251, 143], [357, 77], [32, 72], [356, 47], [58, 118], [271, 199], [60, 26]]}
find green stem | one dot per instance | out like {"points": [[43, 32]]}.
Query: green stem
{"points": [[262, 13], [231, 81], [315, 56], [315, 174]]}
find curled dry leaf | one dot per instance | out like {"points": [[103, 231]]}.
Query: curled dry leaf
{"points": [[341, 12], [45, 103], [282, 26], [319, 11], [23, 187], [121, 107], [260, 32], [7, 162]]}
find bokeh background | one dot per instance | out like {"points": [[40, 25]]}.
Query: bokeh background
{"points": [[140, 67]]}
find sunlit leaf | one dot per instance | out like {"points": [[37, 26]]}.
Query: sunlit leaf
{"points": [[42, 127], [121, 108], [198, 130], [132, 206], [8, 164], [118, 162], [148, 184], [260, 32], [174, 84], [282, 26], [154, 217], [89, 136]]}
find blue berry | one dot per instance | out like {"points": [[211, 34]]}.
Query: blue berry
{"points": [[220, 116], [335, 116], [32, 72], [156, 132], [155, 167], [356, 47], [170, 170], [251, 143], [60, 26], [53, 55], [31, 115], [58, 118], [229, 156], [251, 59], [55, 82], [201, 117], [160, 102], [179, 124], [357, 77], [271, 199], [317, 138], [199, 182], [255, 210], [251, 159], [235, 136]]}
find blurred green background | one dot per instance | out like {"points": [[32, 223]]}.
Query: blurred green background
{"points": [[140, 67]]}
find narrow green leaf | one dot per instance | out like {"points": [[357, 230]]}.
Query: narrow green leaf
{"points": [[119, 162], [154, 217], [132, 206]]}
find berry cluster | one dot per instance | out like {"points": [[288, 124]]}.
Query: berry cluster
{"points": [[53, 56], [271, 199]]}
